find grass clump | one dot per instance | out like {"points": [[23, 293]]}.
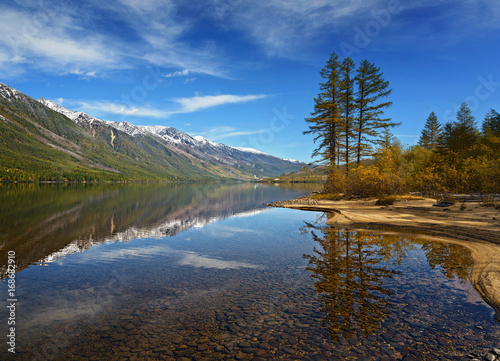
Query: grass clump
{"points": [[410, 197], [327, 196], [386, 200]]}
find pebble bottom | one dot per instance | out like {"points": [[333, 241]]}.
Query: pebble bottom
{"points": [[270, 323]]}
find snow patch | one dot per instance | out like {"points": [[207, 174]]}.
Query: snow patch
{"points": [[204, 141], [77, 117], [7, 92]]}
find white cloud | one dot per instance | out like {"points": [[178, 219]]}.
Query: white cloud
{"points": [[47, 41], [59, 36], [203, 102], [290, 28], [82, 74], [160, 30], [106, 107], [20, 60], [221, 132], [187, 105], [178, 73], [284, 27], [64, 37]]}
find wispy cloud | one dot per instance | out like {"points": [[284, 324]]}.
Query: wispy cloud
{"points": [[67, 36], [221, 132], [105, 36], [187, 105], [159, 33], [284, 27], [182, 73], [196, 103], [105, 107], [177, 73], [82, 74], [36, 38]]}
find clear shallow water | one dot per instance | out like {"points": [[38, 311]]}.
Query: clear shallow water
{"points": [[211, 274]]}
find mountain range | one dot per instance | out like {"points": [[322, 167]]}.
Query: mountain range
{"points": [[43, 141]]}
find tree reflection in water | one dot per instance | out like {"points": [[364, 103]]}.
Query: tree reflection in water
{"points": [[351, 268]]}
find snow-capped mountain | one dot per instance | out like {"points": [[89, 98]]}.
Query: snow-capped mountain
{"points": [[44, 133], [74, 116], [218, 150]]}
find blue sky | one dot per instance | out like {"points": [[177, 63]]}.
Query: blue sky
{"points": [[245, 73]]}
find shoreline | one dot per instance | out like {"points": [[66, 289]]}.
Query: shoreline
{"points": [[475, 226]]}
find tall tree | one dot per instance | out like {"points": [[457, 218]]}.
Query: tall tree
{"points": [[371, 88], [429, 139], [347, 106], [461, 135], [459, 138], [387, 140], [325, 119]]}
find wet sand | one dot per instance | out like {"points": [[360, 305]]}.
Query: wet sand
{"points": [[476, 227]]}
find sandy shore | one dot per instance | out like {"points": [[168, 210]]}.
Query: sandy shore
{"points": [[476, 227]]}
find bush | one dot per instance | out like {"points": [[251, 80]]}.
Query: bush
{"points": [[335, 182], [386, 201], [364, 181]]}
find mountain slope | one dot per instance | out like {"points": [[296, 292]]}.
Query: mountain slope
{"points": [[40, 140]]}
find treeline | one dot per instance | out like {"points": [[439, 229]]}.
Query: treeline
{"points": [[42, 174], [458, 157], [364, 158]]}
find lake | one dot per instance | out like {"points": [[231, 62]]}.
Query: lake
{"points": [[207, 272]]}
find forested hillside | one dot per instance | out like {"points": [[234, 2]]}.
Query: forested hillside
{"points": [[38, 143]]}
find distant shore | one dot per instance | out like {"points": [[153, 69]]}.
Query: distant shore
{"points": [[472, 225]]}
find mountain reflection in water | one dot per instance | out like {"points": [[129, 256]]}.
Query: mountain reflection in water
{"points": [[351, 269], [43, 222]]}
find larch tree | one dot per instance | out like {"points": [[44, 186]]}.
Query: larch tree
{"points": [[386, 140], [371, 89], [431, 133], [347, 116], [347, 107], [325, 119]]}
